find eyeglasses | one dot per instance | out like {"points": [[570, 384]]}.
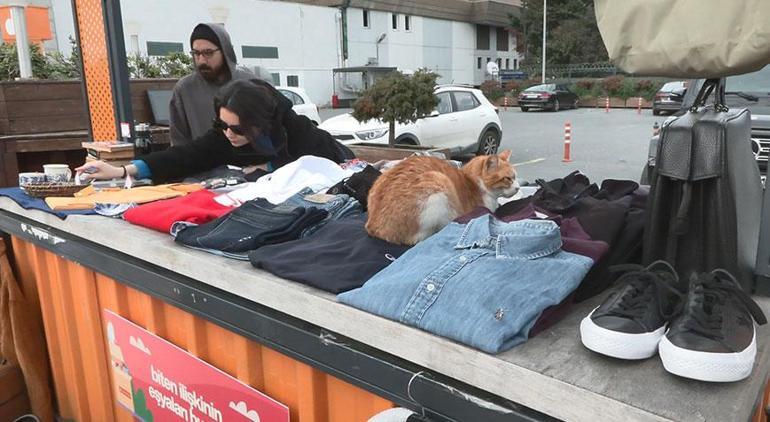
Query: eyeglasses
{"points": [[205, 53], [221, 125]]}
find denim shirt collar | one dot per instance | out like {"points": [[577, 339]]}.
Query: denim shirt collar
{"points": [[525, 239]]}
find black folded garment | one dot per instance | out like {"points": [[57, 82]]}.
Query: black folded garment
{"points": [[339, 257], [357, 185]]}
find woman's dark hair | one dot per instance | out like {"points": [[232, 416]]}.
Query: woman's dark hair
{"points": [[254, 105]]}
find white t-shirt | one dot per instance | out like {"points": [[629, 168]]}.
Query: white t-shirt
{"points": [[306, 172]]}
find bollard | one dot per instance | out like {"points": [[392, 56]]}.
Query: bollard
{"points": [[607, 105], [655, 129], [567, 142], [639, 106], [505, 102]]}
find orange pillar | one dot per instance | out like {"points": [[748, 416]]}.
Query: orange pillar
{"points": [[89, 17]]}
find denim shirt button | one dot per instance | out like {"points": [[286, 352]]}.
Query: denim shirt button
{"points": [[430, 287]]}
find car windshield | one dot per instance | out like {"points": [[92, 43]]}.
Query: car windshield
{"points": [[672, 86], [754, 82], [544, 87]]}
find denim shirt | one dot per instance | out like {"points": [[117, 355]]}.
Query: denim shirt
{"points": [[483, 284]]}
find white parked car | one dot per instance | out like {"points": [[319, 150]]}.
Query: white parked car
{"points": [[464, 121], [302, 104]]}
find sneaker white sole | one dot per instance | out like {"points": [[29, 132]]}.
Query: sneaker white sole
{"points": [[707, 366], [619, 345]]}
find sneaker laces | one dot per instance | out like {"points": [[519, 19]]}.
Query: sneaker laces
{"points": [[642, 284], [711, 291]]}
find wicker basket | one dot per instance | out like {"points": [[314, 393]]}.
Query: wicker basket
{"points": [[44, 190]]}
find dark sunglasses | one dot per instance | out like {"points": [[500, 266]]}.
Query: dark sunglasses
{"points": [[221, 125]]}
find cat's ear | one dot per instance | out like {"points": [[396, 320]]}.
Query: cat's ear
{"points": [[491, 162], [505, 155]]}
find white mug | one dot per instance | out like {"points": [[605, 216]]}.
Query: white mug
{"points": [[57, 172], [31, 178]]}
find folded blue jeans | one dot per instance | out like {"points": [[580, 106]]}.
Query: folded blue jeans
{"points": [[338, 207], [255, 223]]}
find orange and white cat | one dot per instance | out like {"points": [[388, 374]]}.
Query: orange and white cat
{"points": [[421, 195]]}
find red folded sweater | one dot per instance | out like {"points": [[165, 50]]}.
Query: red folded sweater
{"points": [[197, 207]]}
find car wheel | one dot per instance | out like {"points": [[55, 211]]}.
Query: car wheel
{"points": [[489, 143], [556, 105], [655, 112], [524, 109]]}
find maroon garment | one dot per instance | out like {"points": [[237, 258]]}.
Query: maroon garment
{"points": [[197, 207], [574, 239]]}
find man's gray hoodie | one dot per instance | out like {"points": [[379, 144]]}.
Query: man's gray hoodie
{"points": [[191, 110]]}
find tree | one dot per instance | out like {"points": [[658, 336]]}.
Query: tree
{"points": [[572, 37], [398, 98]]}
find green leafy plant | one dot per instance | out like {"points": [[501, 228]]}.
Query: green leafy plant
{"points": [[172, 65], [398, 98], [51, 65]]}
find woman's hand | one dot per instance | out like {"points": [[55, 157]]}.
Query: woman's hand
{"points": [[99, 170]]}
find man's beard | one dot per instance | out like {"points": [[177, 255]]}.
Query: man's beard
{"points": [[211, 75]]}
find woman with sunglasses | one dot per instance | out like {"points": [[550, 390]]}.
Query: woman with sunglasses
{"points": [[255, 127]]}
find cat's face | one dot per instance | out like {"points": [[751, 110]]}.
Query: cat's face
{"points": [[495, 173]]}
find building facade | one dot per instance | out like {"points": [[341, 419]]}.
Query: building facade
{"points": [[300, 42]]}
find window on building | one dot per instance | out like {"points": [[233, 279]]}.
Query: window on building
{"points": [[515, 64], [482, 37], [488, 60], [502, 39], [366, 18], [407, 23], [394, 20], [292, 80], [156, 48], [259, 52], [276, 79], [478, 62], [507, 63], [499, 63]]}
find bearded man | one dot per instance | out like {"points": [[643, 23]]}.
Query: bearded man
{"points": [[191, 110]]}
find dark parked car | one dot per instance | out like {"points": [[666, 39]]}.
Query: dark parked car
{"points": [[548, 96], [669, 97], [750, 90]]}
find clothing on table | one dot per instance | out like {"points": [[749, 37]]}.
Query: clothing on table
{"points": [[291, 137], [191, 108], [340, 256], [484, 284], [29, 203], [612, 213], [357, 185], [574, 239], [250, 226], [312, 172], [197, 208], [88, 198], [338, 206]]}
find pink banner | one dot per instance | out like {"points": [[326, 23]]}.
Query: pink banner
{"points": [[158, 381]]}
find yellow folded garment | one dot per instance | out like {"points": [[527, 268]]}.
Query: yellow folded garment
{"points": [[138, 195]]}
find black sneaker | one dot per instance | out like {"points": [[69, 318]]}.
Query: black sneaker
{"points": [[632, 320], [714, 338]]}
